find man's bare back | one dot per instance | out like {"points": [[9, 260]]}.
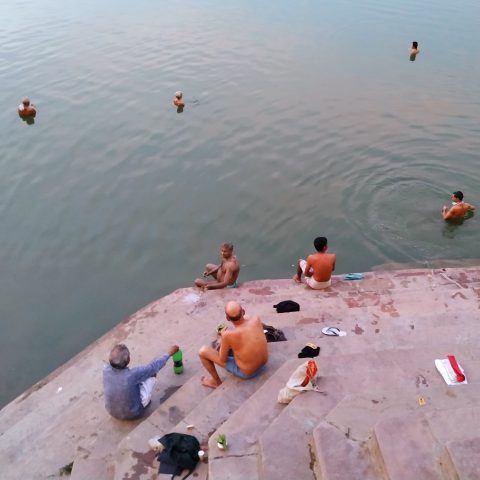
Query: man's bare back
{"points": [[243, 350], [459, 210], [224, 274], [320, 266], [248, 343]]}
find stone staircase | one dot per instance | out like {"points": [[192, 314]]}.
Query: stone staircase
{"points": [[366, 424]]}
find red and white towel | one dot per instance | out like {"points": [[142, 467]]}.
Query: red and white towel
{"points": [[451, 371]]}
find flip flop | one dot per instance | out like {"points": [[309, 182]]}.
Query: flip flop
{"points": [[333, 332], [353, 276]]}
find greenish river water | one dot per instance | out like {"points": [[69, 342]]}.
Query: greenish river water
{"points": [[303, 119]]}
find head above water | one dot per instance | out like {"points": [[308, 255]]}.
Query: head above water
{"points": [[457, 196], [25, 101], [320, 244], [119, 356], [234, 311], [178, 94], [415, 45]]}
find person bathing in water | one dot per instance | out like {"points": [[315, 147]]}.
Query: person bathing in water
{"points": [[225, 275], [26, 109], [178, 100], [318, 267], [414, 48], [459, 208]]}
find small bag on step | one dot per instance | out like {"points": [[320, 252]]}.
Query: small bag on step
{"points": [[180, 453], [301, 380]]}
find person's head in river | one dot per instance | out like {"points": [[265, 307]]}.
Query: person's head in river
{"points": [[320, 244], [457, 196], [178, 99], [119, 356]]}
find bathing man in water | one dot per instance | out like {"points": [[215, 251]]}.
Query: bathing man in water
{"points": [[225, 274], [26, 109], [414, 48], [318, 267], [178, 99], [459, 208], [243, 350]]}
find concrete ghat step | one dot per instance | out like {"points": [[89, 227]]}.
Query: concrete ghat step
{"points": [[410, 450], [133, 453], [243, 428], [465, 455], [195, 405], [290, 433], [338, 375], [339, 457], [348, 428]]}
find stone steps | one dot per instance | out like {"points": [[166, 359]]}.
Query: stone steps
{"points": [[201, 407], [430, 313]]}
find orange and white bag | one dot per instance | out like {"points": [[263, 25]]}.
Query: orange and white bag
{"points": [[302, 379]]}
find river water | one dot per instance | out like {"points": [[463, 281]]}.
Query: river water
{"points": [[303, 118]]}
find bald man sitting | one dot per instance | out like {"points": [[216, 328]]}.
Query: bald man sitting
{"points": [[243, 350]]}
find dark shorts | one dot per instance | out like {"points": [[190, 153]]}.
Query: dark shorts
{"points": [[232, 367]]}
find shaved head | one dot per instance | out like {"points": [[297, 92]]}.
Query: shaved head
{"points": [[234, 311]]}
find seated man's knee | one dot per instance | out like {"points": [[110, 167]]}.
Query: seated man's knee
{"points": [[203, 351]]}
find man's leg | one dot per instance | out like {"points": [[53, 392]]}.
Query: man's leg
{"points": [[146, 390], [209, 357], [201, 282], [300, 269], [211, 266]]}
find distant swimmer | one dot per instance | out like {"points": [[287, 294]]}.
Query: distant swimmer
{"points": [[414, 48], [459, 208], [26, 109], [178, 100]]}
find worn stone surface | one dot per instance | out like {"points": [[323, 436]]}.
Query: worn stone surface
{"points": [[388, 311]]}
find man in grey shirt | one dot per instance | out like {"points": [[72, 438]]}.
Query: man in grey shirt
{"points": [[128, 391]]}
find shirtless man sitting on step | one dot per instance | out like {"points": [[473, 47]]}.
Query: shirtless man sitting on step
{"points": [[318, 267], [459, 208], [243, 350], [225, 274]]}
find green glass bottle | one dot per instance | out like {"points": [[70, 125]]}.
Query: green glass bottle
{"points": [[178, 362]]}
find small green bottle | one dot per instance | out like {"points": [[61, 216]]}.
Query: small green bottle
{"points": [[178, 362]]}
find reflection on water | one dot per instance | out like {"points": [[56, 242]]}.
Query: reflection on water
{"points": [[122, 202]]}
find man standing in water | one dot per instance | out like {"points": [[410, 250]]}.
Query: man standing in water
{"points": [[459, 208], [318, 267], [225, 274], [243, 350]]}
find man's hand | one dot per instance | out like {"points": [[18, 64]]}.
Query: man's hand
{"points": [[206, 273], [205, 288], [173, 349]]}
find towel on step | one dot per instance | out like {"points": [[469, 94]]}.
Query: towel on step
{"points": [[451, 371]]}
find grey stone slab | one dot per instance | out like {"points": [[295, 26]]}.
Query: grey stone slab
{"points": [[340, 457], [244, 427], [409, 449]]}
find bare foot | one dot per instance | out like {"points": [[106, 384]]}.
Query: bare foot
{"points": [[209, 382], [296, 279]]}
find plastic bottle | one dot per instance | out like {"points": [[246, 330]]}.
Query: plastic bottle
{"points": [[178, 362]]}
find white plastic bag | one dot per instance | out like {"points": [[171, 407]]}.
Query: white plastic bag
{"points": [[301, 380]]}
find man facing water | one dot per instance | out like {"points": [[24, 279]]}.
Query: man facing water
{"points": [[318, 267], [459, 208], [243, 350]]}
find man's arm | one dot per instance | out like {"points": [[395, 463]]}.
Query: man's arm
{"points": [[308, 268], [206, 273], [226, 281], [470, 206], [224, 346], [142, 373], [446, 213]]}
